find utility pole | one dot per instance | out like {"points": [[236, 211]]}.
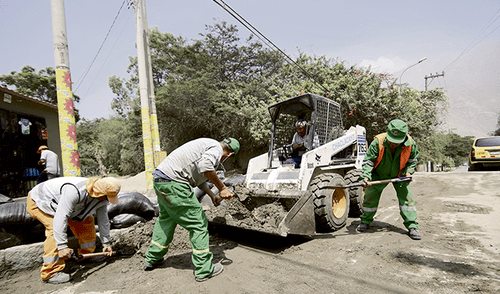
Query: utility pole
{"points": [[431, 76], [401, 76], [67, 127], [155, 134], [144, 91]]}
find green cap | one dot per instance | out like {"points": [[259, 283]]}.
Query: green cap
{"points": [[397, 131], [234, 144]]}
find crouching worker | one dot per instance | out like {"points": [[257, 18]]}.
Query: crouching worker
{"points": [[71, 201], [186, 167]]}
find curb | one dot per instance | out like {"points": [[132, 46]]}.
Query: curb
{"points": [[24, 257]]}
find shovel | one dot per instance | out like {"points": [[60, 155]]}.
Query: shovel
{"points": [[363, 184], [79, 257]]}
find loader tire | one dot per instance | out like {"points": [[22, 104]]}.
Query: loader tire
{"points": [[331, 206], [356, 194]]}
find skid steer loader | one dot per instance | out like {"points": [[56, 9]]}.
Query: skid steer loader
{"points": [[303, 194]]}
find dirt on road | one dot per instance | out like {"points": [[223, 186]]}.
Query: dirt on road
{"points": [[458, 213]]}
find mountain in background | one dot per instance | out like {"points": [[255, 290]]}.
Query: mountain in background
{"points": [[472, 86]]}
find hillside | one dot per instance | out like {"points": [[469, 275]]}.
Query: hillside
{"points": [[472, 86]]}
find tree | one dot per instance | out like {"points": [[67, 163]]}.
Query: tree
{"points": [[446, 149], [458, 148], [41, 85], [366, 98], [497, 131], [219, 86], [89, 147], [212, 87], [110, 145], [122, 104]]}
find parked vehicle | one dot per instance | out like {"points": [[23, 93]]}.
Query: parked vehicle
{"points": [[485, 154]]}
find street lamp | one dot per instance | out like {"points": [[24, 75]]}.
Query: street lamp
{"points": [[421, 60]]}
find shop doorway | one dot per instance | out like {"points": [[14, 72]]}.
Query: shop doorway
{"points": [[21, 135]]}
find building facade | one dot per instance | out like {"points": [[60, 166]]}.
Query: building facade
{"points": [[25, 124]]}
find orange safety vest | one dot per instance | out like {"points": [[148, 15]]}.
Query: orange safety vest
{"points": [[403, 158]]}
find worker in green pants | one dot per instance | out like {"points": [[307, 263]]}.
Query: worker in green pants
{"points": [[392, 154], [190, 165]]}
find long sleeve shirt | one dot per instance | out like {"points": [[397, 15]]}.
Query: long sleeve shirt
{"points": [[389, 166], [66, 198]]}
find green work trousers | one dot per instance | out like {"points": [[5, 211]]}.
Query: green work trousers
{"points": [[407, 207], [179, 206]]}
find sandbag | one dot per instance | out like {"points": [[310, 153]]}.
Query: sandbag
{"points": [[13, 213], [5, 199], [126, 220], [8, 240], [235, 180], [134, 203]]}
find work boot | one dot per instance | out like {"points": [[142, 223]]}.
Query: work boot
{"points": [[151, 266], [414, 234], [59, 278], [218, 268], [362, 227]]}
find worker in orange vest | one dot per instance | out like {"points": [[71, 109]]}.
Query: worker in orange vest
{"points": [[392, 154]]}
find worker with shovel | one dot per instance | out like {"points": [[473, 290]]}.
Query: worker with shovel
{"points": [[392, 154], [188, 166], [72, 201]]}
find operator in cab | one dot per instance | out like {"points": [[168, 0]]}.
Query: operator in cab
{"points": [[300, 144]]}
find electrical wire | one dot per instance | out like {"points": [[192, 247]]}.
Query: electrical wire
{"points": [[107, 56], [79, 83], [473, 42], [264, 39]]}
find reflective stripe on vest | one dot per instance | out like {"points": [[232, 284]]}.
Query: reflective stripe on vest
{"points": [[403, 158]]}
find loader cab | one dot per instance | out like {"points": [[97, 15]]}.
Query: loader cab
{"points": [[323, 117]]}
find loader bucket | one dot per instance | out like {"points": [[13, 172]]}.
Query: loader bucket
{"points": [[276, 213]]}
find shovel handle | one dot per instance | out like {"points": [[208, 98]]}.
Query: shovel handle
{"points": [[395, 180], [78, 256], [362, 184]]}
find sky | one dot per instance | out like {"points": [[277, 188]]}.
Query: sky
{"points": [[390, 36]]}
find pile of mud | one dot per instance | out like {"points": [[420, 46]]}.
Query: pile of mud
{"points": [[240, 211], [247, 212], [136, 239]]}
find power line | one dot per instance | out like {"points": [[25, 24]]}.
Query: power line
{"points": [[107, 56], [264, 39], [472, 44], [99, 50]]}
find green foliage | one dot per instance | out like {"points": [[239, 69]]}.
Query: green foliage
{"points": [[446, 149], [366, 98], [458, 148], [122, 104], [213, 87], [41, 85], [110, 146], [88, 146], [497, 131], [220, 86]]}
